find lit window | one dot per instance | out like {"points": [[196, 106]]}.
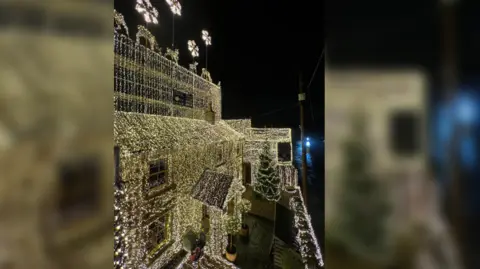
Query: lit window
{"points": [[158, 174], [158, 234]]}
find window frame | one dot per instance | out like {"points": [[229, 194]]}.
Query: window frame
{"points": [[159, 172], [279, 152], [167, 230]]}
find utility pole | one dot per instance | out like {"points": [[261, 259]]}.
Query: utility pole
{"points": [[301, 99], [449, 76]]}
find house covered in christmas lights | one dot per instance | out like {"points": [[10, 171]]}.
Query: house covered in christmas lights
{"points": [[179, 168], [178, 165], [298, 240]]}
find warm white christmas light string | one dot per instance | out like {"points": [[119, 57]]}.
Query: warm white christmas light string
{"points": [[302, 218]]}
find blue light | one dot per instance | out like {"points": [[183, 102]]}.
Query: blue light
{"points": [[307, 144], [466, 109], [308, 138]]}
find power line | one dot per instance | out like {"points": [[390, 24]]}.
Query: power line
{"points": [[316, 68], [310, 83]]}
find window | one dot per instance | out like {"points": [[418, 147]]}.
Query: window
{"points": [[182, 99], [284, 152], [404, 136], [158, 234], [79, 189], [158, 174]]}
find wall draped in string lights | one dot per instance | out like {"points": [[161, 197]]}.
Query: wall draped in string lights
{"points": [[280, 139], [145, 81], [188, 148], [161, 129]]}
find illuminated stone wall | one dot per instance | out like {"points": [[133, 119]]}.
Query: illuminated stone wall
{"points": [[189, 151]]}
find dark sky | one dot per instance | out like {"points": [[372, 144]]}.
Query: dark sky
{"points": [[258, 50], [406, 33]]}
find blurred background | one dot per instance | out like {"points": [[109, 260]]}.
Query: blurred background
{"points": [[56, 126], [411, 69]]}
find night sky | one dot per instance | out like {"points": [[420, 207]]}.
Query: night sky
{"points": [[258, 50], [402, 33]]}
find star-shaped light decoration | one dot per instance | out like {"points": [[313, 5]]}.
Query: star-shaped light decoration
{"points": [[149, 12], [193, 48], [206, 37], [175, 7]]}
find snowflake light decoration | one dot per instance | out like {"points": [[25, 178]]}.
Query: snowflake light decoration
{"points": [[149, 12], [175, 7], [206, 37], [193, 48]]}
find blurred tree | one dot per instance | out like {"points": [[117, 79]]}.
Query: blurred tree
{"points": [[360, 229]]}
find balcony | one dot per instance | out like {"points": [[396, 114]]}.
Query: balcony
{"points": [[147, 82], [270, 134]]}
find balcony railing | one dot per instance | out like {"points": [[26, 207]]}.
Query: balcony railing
{"points": [[147, 82], [270, 134]]}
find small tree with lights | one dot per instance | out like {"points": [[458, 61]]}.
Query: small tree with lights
{"points": [[244, 206], [233, 224], [359, 231], [267, 179]]}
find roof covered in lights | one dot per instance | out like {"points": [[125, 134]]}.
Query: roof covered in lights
{"points": [[136, 132], [212, 188]]}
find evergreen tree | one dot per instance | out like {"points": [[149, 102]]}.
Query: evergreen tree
{"points": [[267, 179], [363, 205]]}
